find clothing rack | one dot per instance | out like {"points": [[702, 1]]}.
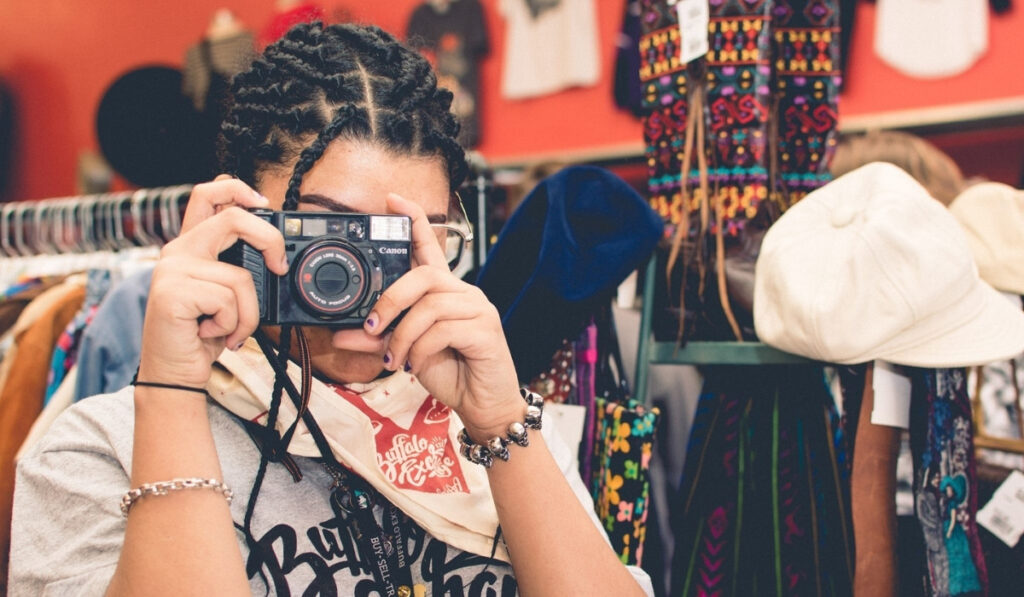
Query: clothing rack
{"points": [[91, 223], [60, 236]]}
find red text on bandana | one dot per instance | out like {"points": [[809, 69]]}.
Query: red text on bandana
{"points": [[420, 458]]}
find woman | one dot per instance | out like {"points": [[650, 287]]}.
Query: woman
{"points": [[336, 118]]}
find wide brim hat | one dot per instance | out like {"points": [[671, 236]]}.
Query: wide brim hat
{"points": [[561, 255], [992, 216], [871, 267]]}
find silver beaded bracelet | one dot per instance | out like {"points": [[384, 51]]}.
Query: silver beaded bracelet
{"points": [[497, 447], [165, 487]]}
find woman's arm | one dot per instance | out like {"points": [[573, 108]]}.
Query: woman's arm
{"points": [[451, 338], [555, 547], [184, 542]]}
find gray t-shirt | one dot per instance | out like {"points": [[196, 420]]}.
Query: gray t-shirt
{"points": [[68, 529]]}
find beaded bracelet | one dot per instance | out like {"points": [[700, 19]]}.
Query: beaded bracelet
{"points": [[165, 487], [497, 447]]}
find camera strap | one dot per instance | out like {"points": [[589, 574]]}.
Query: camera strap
{"points": [[352, 498]]}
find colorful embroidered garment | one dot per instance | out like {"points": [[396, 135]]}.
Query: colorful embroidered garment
{"points": [[764, 502], [755, 107], [945, 482]]}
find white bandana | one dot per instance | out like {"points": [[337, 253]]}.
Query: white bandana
{"points": [[390, 432]]}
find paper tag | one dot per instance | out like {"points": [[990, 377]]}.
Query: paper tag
{"points": [[693, 29], [1003, 515], [569, 420], [892, 396]]}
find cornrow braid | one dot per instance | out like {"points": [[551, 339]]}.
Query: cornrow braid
{"points": [[320, 83]]}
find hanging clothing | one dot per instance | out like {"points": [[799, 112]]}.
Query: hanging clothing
{"points": [[58, 403], [765, 502], [17, 296], [945, 486], [769, 63], [620, 481], [108, 354], [945, 482], [210, 59], [929, 39], [21, 397], [282, 21], [554, 51], [65, 353], [455, 41], [627, 88]]}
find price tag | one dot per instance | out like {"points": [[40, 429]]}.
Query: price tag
{"points": [[1003, 515], [892, 396], [693, 29]]}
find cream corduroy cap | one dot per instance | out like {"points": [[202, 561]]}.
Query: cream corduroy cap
{"points": [[872, 267], [992, 215]]}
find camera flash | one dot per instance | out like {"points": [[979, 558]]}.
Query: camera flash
{"points": [[390, 228]]}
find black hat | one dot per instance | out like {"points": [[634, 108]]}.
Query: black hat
{"points": [[149, 131], [560, 257]]}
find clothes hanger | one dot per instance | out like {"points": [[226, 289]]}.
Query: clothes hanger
{"points": [[43, 228], [138, 203], [90, 230], [20, 241], [122, 207], [5, 232]]}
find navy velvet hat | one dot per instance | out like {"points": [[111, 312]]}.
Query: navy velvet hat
{"points": [[560, 257]]}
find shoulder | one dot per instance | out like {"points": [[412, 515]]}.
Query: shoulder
{"points": [[100, 423]]}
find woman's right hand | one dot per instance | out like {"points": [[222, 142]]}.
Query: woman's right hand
{"points": [[198, 305]]}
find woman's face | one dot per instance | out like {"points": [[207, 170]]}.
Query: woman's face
{"points": [[355, 176]]}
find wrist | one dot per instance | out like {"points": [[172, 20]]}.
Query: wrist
{"points": [[483, 445]]}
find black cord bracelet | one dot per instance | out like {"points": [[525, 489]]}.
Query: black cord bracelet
{"points": [[169, 386]]}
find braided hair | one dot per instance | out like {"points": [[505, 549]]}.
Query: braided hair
{"points": [[320, 83]]}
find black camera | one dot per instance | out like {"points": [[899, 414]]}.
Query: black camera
{"points": [[339, 265]]}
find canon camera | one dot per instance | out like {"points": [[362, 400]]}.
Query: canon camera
{"points": [[339, 265]]}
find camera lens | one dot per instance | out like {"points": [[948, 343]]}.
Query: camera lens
{"points": [[329, 279]]}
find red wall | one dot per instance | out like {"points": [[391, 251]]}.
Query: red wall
{"points": [[60, 55]]}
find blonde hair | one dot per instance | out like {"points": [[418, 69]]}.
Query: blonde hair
{"points": [[928, 164]]}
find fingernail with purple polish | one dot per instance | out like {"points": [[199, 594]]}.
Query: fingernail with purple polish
{"points": [[387, 358], [407, 367]]}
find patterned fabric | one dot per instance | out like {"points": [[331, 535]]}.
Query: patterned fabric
{"points": [[806, 47], [665, 86], [764, 501], [746, 94], [945, 482], [65, 353], [620, 481], [558, 383]]}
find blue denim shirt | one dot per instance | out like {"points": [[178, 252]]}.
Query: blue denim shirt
{"points": [[110, 347]]}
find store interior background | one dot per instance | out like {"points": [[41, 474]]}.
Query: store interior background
{"points": [[59, 56]]}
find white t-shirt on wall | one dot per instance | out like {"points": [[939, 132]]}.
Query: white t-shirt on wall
{"points": [[930, 39], [554, 51]]}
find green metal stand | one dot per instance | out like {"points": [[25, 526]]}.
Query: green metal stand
{"points": [[650, 352]]}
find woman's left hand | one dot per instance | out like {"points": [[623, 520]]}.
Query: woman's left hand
{"points": [[450, 338]]}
